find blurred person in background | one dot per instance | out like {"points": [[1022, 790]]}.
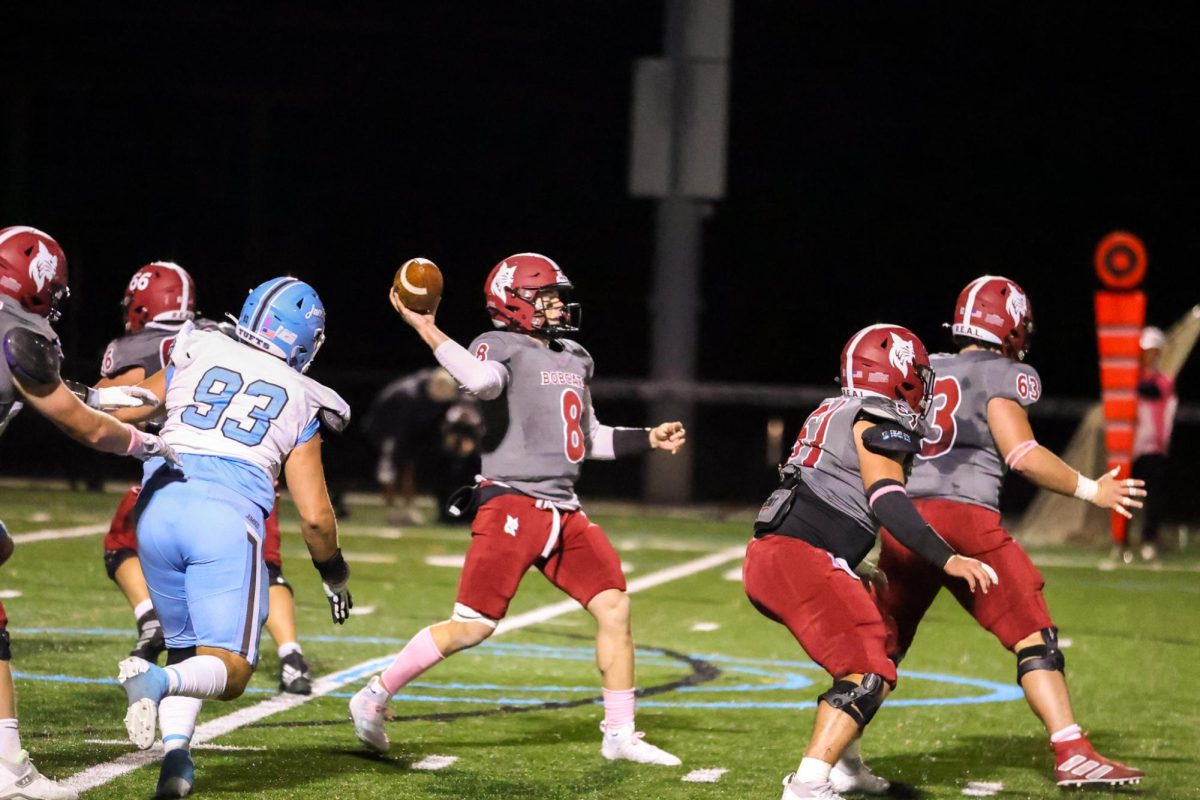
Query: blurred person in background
{"points": [[1152, 436], [405, 424]]}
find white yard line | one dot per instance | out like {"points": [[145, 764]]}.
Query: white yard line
{"points": [[59, 533], [101, 774], [704, 775]]}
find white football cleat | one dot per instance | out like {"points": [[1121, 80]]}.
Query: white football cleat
{"points": [[20, 780], [627, 744], [145, 685], [852, 775], [811, 790], [370, 715]]}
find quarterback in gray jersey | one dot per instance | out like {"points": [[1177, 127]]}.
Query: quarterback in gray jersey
{"points": [[978, 429], [845, 476], [33, 280], [542, 428]]}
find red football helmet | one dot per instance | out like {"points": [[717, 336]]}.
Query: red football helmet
{"points": [[33, 270], [512, 288], [995, 310], [161, 291], [888, 361]]}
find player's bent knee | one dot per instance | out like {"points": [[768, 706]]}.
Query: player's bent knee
{"points": [[1045, 656], [113, 559], [468, 627], [859, 701], [610, 607], [5, 646]]}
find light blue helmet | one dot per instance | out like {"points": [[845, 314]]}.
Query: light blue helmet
{"points": [[285, 318]]}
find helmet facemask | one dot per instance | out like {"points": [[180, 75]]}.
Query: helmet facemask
{"points": [[552, 314], [57, 297]]}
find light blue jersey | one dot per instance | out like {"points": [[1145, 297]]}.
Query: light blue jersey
{"points": [[233, 415], [238, 411]]}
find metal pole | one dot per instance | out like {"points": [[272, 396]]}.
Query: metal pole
{"points": [[696, 45]]}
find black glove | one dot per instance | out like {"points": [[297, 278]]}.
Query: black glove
{"points": [[335, 575]]}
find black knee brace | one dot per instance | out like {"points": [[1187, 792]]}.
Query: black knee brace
{"points": [[1041, 656], [275, 578], [5, 647], [860, 701], [114, 559], [180, 655]]}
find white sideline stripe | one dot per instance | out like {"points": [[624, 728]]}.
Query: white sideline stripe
{"points": [[636, 585], [60, 533], [734, 574], [101, 774], [9, 594], [434, 762], [158, 745], [456, 560], [704, 775]]}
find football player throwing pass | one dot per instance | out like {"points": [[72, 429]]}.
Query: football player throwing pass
{"points": [[846, 475], [542, 426]]}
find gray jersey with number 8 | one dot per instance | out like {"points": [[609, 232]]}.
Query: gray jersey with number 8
{"points": [[538, 430]]}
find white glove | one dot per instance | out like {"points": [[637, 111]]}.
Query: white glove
{"points": [[144, 445], [110, 398]]}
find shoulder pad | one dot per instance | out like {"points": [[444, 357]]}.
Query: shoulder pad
{"points": [[888, 438], [31, 356], [880, 409], [333, 421]]}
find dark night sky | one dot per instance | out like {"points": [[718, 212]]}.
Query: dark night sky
{"points": [[881, 155]]}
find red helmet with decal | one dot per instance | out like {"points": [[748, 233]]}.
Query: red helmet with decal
{"points": [[995, 311], [33, 270], [161, 291], [512, 290], [888, 361]]}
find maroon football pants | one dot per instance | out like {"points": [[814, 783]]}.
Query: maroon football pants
{"points": [[1011, 610]]}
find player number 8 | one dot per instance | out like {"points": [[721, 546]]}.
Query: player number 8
{"points": [[572, 412]]}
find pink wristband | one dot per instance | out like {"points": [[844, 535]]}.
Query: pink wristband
{"points": [[135, 439], [1020, 451], [885, 490]]}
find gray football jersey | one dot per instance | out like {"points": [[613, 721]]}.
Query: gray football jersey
{"points": [[538, 429], [13, 316], [148, 348], [828, 458], [959, 459]]}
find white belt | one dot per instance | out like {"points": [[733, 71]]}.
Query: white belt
{"points": [[555, 526]]}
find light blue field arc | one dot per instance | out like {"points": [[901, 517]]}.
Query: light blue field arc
{"points": [[770, 675]]}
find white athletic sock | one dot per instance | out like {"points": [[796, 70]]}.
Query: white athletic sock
{"points": [[853, 751], [1067, 734], [199, 676], [287, 648], [812, 770], [10, 740], [177, 721], [141, 608]]}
